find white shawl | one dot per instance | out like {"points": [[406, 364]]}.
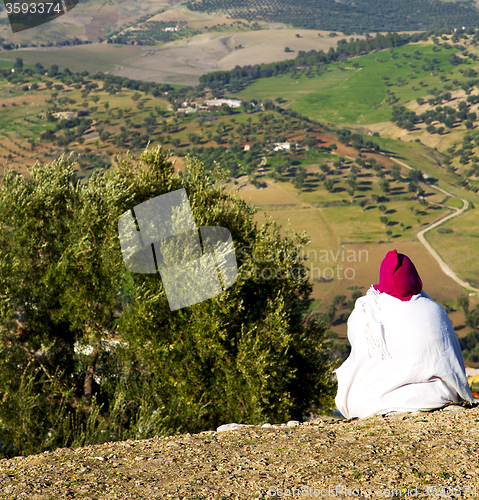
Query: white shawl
{"points": [[405, 356]]}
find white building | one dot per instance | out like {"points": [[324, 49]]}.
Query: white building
{"points": [[65, 114], [232, 103], [282, 146], [187, 110]]}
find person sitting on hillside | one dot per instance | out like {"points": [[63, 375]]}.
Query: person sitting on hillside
{"points": [[405, 355]]}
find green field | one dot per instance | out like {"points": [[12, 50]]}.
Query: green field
{"points": [[6, 63], [460, 248], [347, 95], [353, 223], [315, 224]]}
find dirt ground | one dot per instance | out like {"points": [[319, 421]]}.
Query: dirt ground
{"points": [[423, 454]]}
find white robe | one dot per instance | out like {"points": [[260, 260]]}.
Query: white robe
{"points": [[405, 356]]}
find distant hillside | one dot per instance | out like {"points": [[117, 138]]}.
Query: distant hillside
{"points": [[89, 21], [349, 15]]}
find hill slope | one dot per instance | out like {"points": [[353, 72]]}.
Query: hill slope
{"points": [[353, 15]]}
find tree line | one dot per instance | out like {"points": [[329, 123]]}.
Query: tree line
{"points": [[241, 76]]}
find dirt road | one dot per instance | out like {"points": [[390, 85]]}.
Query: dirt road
{"points": [[445, 268]]}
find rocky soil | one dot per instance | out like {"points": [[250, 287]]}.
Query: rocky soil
{"points": [[424, 454]]}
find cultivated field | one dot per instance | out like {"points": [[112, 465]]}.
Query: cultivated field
{"points": [[356, 265], [186, 60], [356, 92], [333, 218], [461, 245], [331, 228], [92, 58], [23, 120]]}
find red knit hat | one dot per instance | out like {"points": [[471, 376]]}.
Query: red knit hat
{"points": [[398, 276]]}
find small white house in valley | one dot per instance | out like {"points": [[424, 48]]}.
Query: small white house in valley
{"points": [[64, 114], [282, 146], [232, 103]]}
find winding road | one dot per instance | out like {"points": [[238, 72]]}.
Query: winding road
{"points": [[458, 211]]}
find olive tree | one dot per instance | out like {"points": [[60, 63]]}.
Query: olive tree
{"points": [[91, 352]]}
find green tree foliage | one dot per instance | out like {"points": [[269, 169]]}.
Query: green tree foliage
{"points": [[329, 314], [329, 185], [470, 346], [463, 303], [299, 178], [454, 60], [325, 168], [92, 353], [384, 186], [404, 118], [339, 300], [396, 172], [472, 318]]}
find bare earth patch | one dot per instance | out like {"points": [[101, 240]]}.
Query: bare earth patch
{"points": [[99, 26]]}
